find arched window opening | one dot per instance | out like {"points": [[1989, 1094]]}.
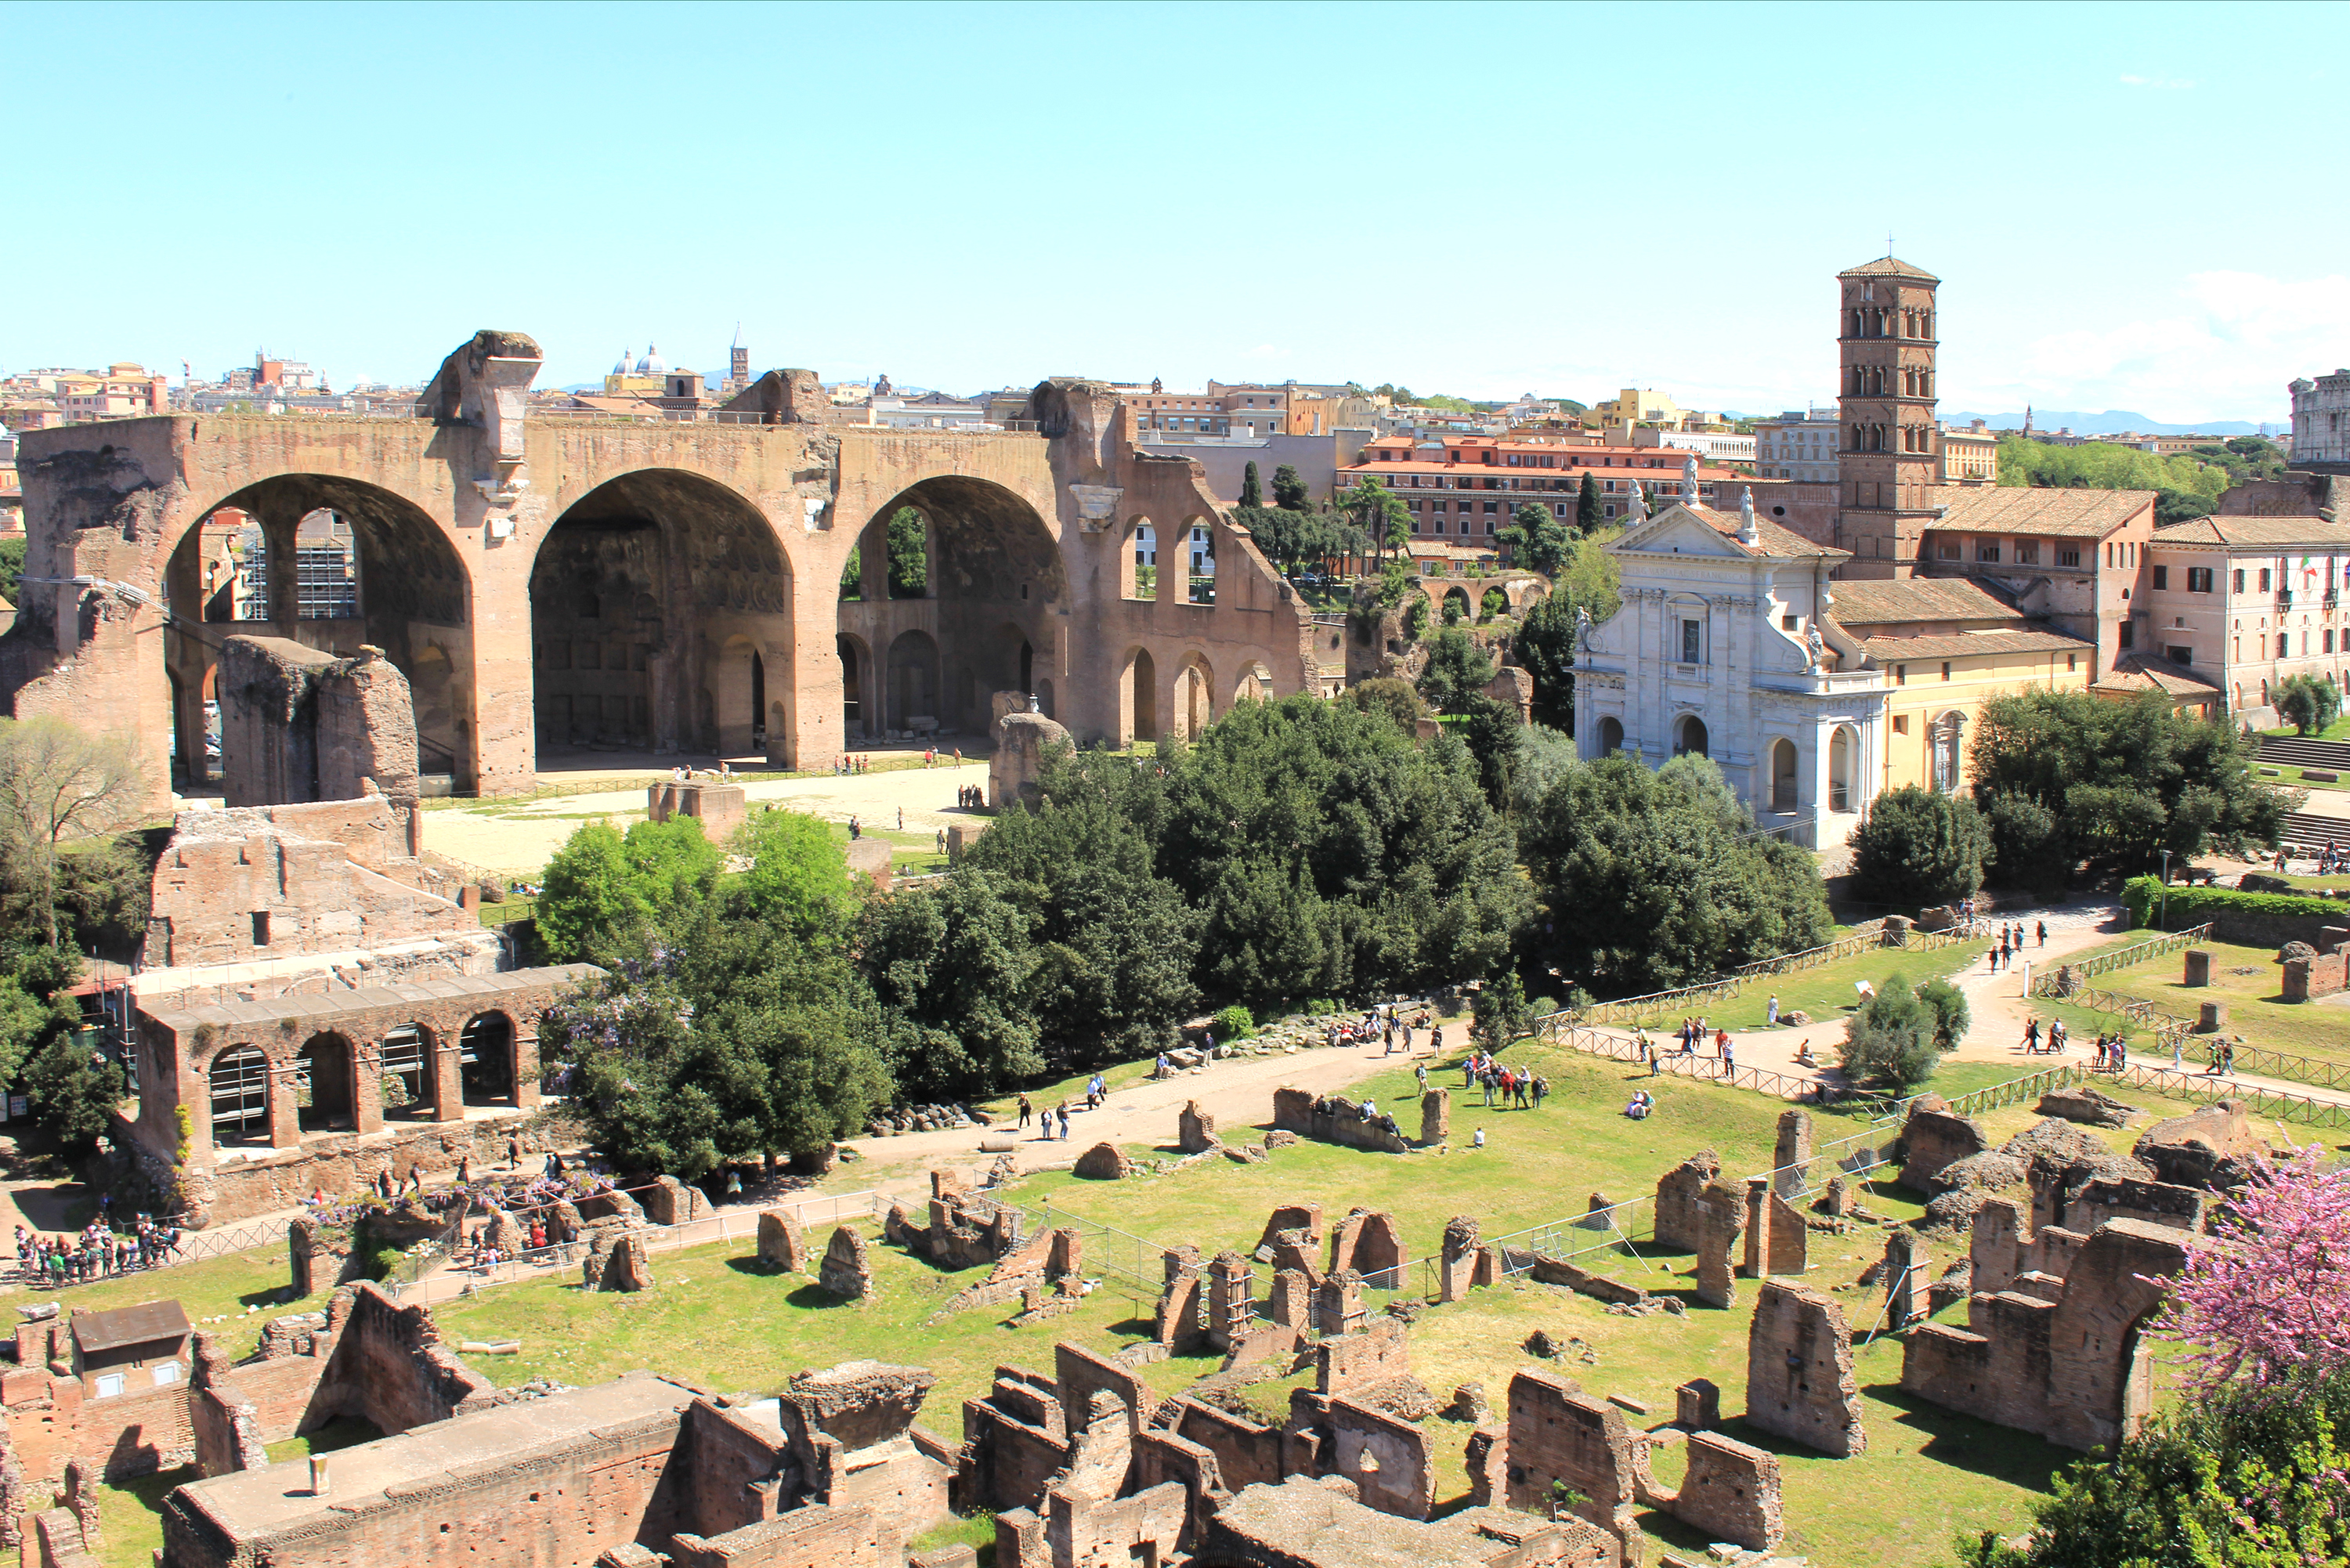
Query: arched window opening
{"points": [[406, 1073], [240, 1096], [1690, 737], [1203, 565], [1611, 736], [485, 1060], [1783, 775], [852, 691], [1840, 750], [1144, 696], [1145, 581], [326, 1087]]}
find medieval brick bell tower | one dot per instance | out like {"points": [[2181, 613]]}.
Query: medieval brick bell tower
{"points": [[1890, 456]]}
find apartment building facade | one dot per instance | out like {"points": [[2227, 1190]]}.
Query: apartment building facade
{"points": [[2248, 602], [1800, 444], [1465, 488]]}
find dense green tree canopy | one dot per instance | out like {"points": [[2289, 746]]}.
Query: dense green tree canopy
{"points": [[1920, 846], [1289, 491], [1457, 670], [909, 561], [2308, 702], [2185, 485], [604, 892], [2068, 778], [1651, 880]]}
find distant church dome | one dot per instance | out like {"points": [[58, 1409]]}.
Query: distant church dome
{"points": [[650, 365], [622, 368]]}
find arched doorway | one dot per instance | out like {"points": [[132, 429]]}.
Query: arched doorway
{"points": [[650, 600], [855, 666], [914, 684], [408, 1073], [485, 1060], [1690, 736], [1195, 703], [1455, 608], [1142, 697], [1611, 736], [1142, 565], [992, 585], [1842, 748], [1783, 774], [240, 1098], [333, 563], [325, 1084], [1255, 684]]}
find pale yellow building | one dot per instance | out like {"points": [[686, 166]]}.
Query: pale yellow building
{"points": [[1946, 647], [1635, 405], [1970, 455]]}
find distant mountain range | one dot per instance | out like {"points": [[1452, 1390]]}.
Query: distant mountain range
{"points": [[2113, 422]]}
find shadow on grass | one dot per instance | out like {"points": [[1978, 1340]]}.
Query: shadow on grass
{"points": [[1144, 1326], [758, 1266], [813, 1298], [1968, 1444]]}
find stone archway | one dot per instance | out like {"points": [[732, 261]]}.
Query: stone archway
{"points": [[325, 1084], [1138, 697], [1784, 792], [334, 564], [992, 584], [239, 1080], [650, 599], [486, 1060], [1690, 736], [1611, 736], [1194, 705]]}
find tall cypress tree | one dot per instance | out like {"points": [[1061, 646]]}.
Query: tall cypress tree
{"points": [[1252, 494], [1587, 505]]}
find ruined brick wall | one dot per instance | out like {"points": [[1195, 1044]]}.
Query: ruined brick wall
{"points": [[811, 1537], [720, 1457], [1799, 1376], [1679, 1222], [390, 1368], [1558, 1434], [1932, 1137], [52, 1420], [609, 1483], [1730, 1491], [298, 724], [1387, 1459], [1378, 1351], [1015, 1442], [1333, 1120], [1246, 1452], [1079, 1374]]}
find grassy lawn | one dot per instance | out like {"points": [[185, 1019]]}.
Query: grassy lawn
{"points": [[2337, 731], [2298, 778], [2256, 1007], [1826, 992], [257, 1278]]}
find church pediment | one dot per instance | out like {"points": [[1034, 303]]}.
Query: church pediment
{"points": [[1676, 531]]}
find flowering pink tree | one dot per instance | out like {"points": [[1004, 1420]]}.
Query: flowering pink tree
{"points": [[2271, 1294]]}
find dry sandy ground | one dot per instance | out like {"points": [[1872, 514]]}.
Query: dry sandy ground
{"points": [[518, 838]]}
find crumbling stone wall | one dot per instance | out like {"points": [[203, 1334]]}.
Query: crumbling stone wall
{"points": [[1335, 1119], [1679, 1221], [1246, 1451], [2071, 1368], [1386, 1458], [1556, 1434], [1015, 1442], [1932, 1137], [1799, 1376], [1730, 1491], [300, 724], [1369, 1242]]}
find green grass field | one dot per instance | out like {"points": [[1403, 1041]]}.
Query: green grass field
{"points": [[2250, 981], [718, 1319], [1826, 992]]}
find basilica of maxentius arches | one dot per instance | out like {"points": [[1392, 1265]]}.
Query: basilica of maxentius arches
{"points": [[551, 586]]}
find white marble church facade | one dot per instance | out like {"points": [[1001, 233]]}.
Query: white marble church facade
{"points": [[1723, 647]]}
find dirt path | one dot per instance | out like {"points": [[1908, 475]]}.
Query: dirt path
{"points": [[1237, 1091]]}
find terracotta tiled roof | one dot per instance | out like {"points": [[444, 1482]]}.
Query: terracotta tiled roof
{"points": [[1775, 540], [2143, 672], [1875, 603], [1891, 650], [2032, 511], [1885, 267], [2322, 532]]}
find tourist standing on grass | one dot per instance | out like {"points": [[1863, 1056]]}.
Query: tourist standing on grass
{"points": [[1420, 1071]]}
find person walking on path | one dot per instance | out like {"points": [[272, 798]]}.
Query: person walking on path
{"points": [[1064, 1121], [2031, 1038], [1026, 1111], [1774, 1012], [2043, 933]]}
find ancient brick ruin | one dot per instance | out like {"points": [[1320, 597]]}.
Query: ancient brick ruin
{"points": [[1799, 1377], [2059, 1356]]}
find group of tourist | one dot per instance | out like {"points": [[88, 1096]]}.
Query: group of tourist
{"points": [[100, 1252], [2012, 942], [1385, 1025], [1044, 1127], [931, 757], [852, 763], [2112, 1052], [1520, 1090], [2053, 1045], [970, 796]]}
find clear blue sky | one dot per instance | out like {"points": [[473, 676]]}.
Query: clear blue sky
{"points": [[1480, 200]]}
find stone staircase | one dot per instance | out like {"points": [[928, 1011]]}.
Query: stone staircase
{"points": [[2309, 828], [2283, 750]]}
